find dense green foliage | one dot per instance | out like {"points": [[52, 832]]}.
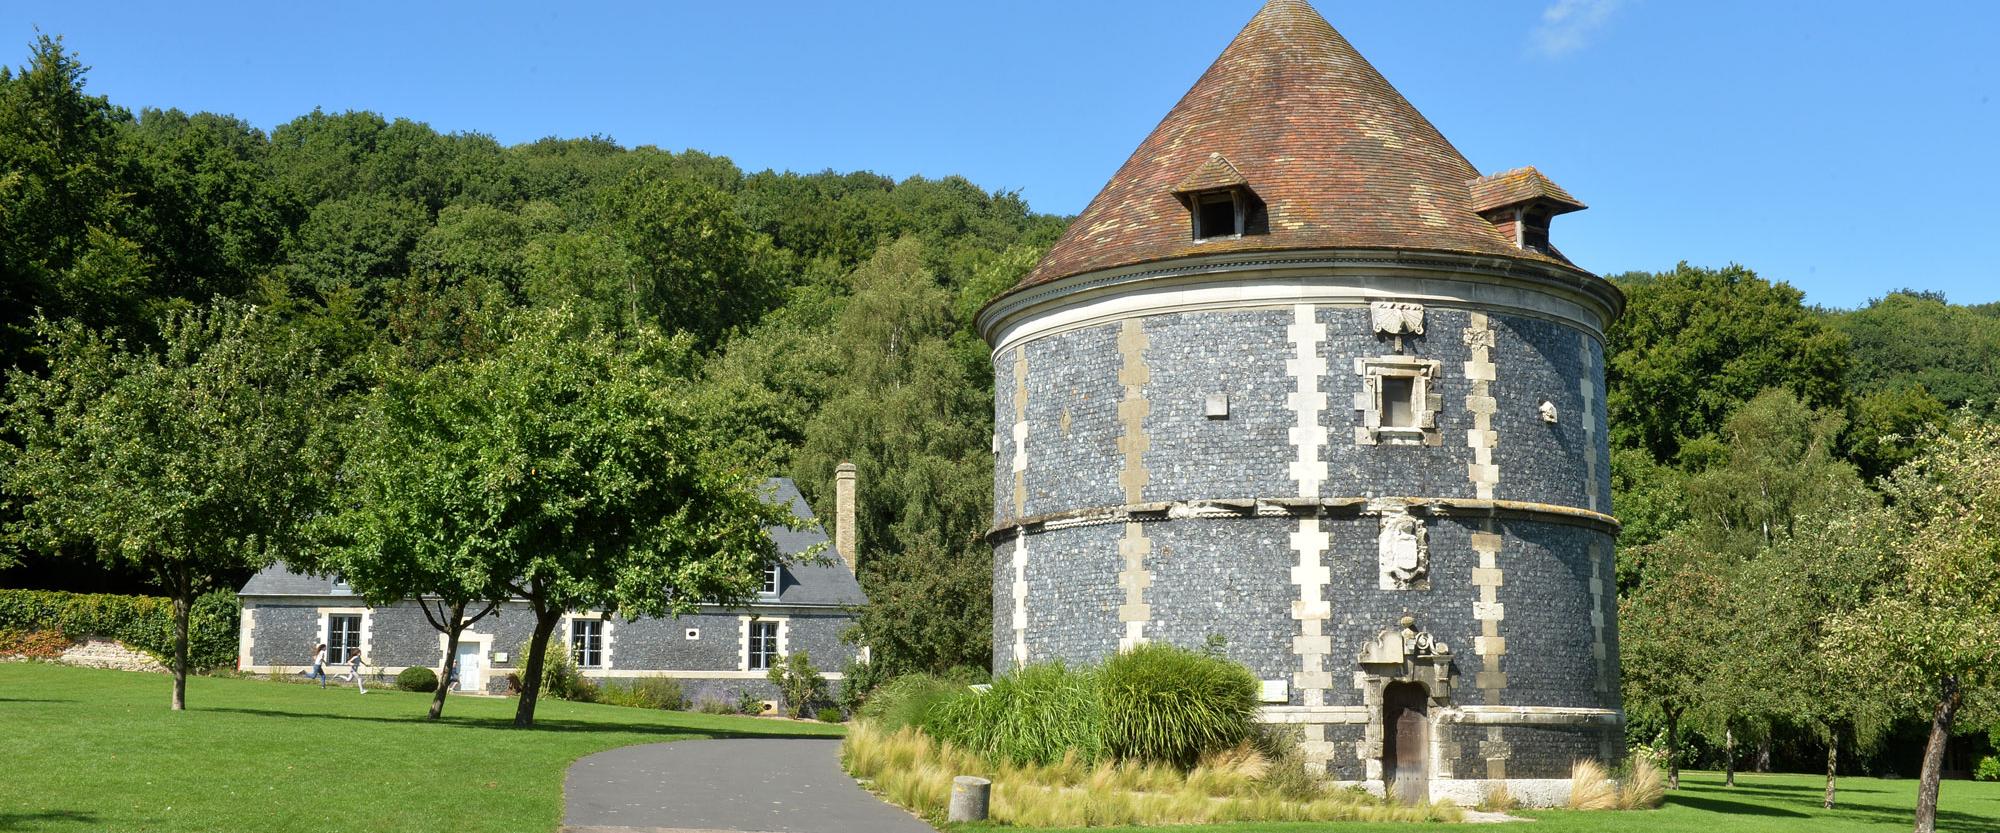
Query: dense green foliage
{"points": [[1169, 705], [417, 678], [391, 248], [647, 693], [908, 700], [1035, 715], [1155, 704], [190, 462], [142, 622]]}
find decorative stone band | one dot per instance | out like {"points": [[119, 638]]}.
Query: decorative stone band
{"points": [[1474, 715], [1324, 277], [1439, 507]]}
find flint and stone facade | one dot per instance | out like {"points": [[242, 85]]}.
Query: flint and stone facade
{"points": [[1377, 475], [285, 614]]}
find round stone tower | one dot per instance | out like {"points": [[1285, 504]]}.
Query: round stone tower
{"points": [[1302, 384]]}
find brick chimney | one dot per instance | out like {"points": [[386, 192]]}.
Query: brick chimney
{"points": [[843, 515]]}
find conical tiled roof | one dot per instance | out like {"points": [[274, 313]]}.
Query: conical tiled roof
{"points": [[1337, 156]]}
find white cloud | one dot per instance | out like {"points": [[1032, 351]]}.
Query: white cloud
{"points": [[1567, 25]]}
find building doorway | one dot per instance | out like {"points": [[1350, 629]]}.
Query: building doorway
{"points": [[1406, 743]]}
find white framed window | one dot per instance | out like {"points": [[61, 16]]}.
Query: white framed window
{"points": [[586, 642], [774, 577], [1399, 401], [343, 637], [762, 649]]}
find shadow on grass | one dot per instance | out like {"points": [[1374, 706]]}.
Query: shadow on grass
{"points": [[1734, 808], [38, 820], [541, 725], [34, 700]]}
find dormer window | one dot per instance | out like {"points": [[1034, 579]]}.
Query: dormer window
{"points": [[1217, 214], [1219, 201], [1520, 204], [772, 576]]}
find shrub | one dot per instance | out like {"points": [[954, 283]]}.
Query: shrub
{"points": [[560, 677], [145, 623], [648, 693], [32, 644], [749, 703], [799, 684], [907, 701], [712, 706], [417, 678], [1169, 705], [829, 714], [1988, 769], [858, 682], [1036, 715]]}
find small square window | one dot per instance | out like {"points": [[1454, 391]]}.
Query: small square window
{"points": [[1216, 216], [693, 634]]}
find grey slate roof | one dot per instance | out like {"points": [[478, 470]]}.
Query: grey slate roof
{"points": [[803, 583]]}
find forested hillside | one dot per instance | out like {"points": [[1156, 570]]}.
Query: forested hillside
{"points": [[829, 313]]}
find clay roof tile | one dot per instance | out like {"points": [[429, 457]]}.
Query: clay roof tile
{"points": [[1340, 159]]}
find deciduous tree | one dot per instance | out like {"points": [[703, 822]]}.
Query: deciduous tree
{"points": [[1928, 633], [193, 461]]}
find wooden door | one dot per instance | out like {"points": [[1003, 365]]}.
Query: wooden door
{"points": [[1406, 736]]}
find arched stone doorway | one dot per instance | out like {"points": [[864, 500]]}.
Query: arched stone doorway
{"points": [[1406, 742]]}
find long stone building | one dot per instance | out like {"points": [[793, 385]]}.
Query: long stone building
{"points": [[1302, 382]]}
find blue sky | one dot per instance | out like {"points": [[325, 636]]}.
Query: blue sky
{"points": [[1845, 147]]}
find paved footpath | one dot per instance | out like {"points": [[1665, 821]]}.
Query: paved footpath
{"points": [[698, 786]]}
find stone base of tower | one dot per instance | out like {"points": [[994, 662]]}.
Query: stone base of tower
{"points": [[1466, 752]]}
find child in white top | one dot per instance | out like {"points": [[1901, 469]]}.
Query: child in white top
{"points": [[353, 675]]}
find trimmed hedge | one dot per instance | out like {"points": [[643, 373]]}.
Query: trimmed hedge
{"points": [[145, 623], [417, 678]]}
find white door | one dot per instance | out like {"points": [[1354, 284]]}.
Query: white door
{"points": [[470, 676]]}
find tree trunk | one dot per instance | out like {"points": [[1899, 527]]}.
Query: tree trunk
{"points": [[450, 661], [531, 674], [1673, 749], [1832, 768], [1764, 753], [1728, 757], [182, 608], [1949, 697]]}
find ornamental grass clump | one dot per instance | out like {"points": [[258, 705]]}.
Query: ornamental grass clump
{"points": [[913, 770], [1036, 715], [1590, 788], [1170, 705], [1643, 788]]}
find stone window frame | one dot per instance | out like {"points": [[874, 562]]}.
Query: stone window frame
{"points": [[365, 647], [781, 635], [603, 638], [1426, 376]]}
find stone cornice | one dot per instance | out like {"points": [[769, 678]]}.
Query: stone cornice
{"points": [[1333, 277], [1330, 507]]}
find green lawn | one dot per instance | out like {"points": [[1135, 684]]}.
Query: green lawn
{"points": [[82, 749], [1757, 804], [98, 750]]}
